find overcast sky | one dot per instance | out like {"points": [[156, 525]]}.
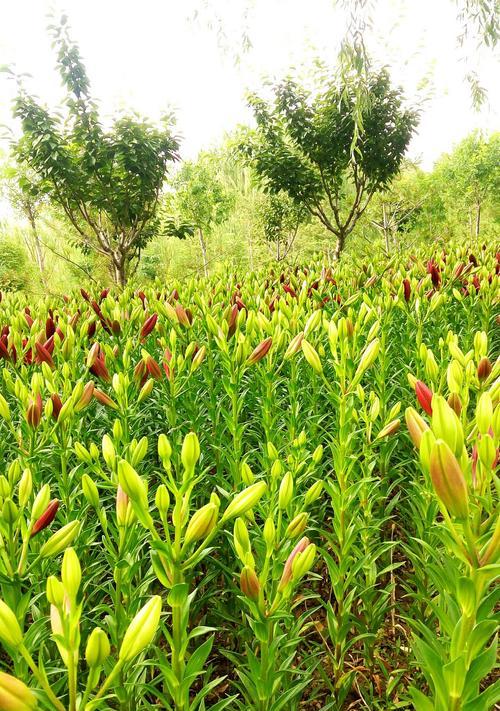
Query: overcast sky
{"points": [[187, 54]]}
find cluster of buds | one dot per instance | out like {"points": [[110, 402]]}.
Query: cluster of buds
{"points": [[24, 518]]}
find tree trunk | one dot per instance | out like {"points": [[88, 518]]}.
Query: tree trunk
{"points": [[119, 269], [386, 229], [339, 246], [203, 251], [39, 255]]}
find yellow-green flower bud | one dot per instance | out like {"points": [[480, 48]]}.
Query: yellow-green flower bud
{"points": [[272, 452], [25, 487], [368, 357], [202, 523], [241, 540], [55, 591], [416, 425], [276, 469], [311, 356], [60, 540], [190, 452], [317, 455], [313, 493], [10, 512], [97, 649], [446, 425], [247, 476], [108, 451], [164, 448], [10, 631], [245, 500], [285, 491], [162, 499], [41, 502], [140, 451], [297, 525], [90, 491], [141, 630], [486, 451], [4, 409], [132, 484], [303, 562], [71, 573], [15, 695], [484, 413], [269, 532]]}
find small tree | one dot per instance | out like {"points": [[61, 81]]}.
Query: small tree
{"points": [[311, 147], [281, 218], [200, 200], [107, 182]]}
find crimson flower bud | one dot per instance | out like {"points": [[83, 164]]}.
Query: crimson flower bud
{"points": [[406, 289], [148, 326], [46, 518], [249, 583], [260, 351], [484, 368], [424, 396]]}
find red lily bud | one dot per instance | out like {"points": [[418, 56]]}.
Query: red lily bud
{"points": [[46, 518], [260, 351], [56, 405], [182, 315], [104, 399], [484, 368], [407, 289], [43, 355], [148, 326], [153, 368], [34, 411], [424, 396]]}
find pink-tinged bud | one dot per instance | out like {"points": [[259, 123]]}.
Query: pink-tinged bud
{"points": [[424, 396], [148, 326], [484, 368], [260, 351], [34, 411], [86, 396], [406, 289], [15, 695], [46, 518], [105, 399], [455, 403], [448, 480], [122, 502], [287, 570], [182, 316], [389, 429], [249, 583], [167, 357], [295, 345], [416, 426]]}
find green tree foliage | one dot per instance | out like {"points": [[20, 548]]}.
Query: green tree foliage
{"points": [[470, 178], [14, 272], [312, 148], [108, 182], [200, 201], [281, 218]]}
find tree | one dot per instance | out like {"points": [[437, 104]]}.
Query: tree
{"points": [[14, 271], [107, 182], [470, 176], [200, 200], [311, 147], [19, 185], [281, 218]]}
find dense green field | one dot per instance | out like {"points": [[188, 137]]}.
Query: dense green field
{"points": [[268, 491]]}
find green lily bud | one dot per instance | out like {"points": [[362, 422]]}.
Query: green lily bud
{"points": [[10, 631], [484, 413], [60, 540], [297, 525], [269, 532], [190, 452], [97, 649], [486, 451], [4, 408], [71, 573], [132, 484], [367, 359], [55, 591], [162, 499], [313, 493], [164, 449], [141, 630], [140, 451], [90, 491], [242, 541], [4, 487], [25, 487], [285, 491], [276, 469], [247, 476], [108, 451], [303, 562], [245, 500], [317, 455], [272, 452], [41, 502], [117, 430], [15, 695], [146, 390], [202, 523], [287, 569], [311, 356], [426, 444], [416, 425], [446, 425]]}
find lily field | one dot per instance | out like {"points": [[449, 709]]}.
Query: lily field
{"points": [[274, 491]]}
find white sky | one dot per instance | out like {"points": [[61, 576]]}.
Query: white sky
{"points": [[151, 54]]}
